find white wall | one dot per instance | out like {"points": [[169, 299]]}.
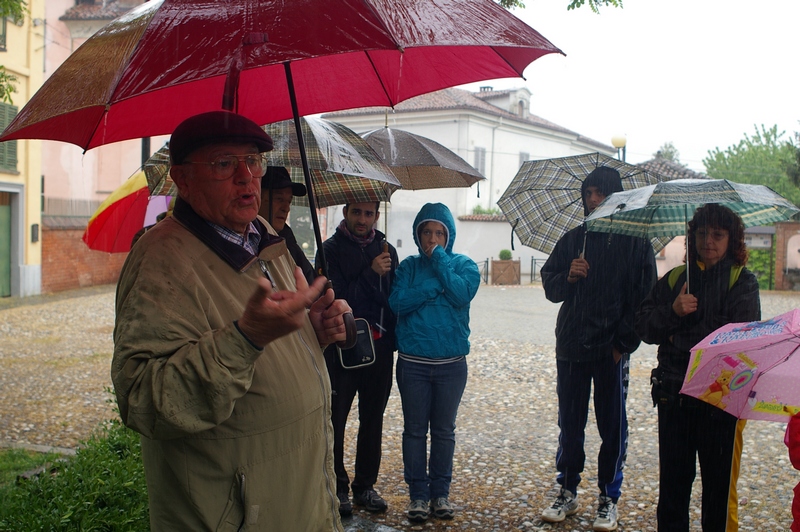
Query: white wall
{"points": [[462, 131]]}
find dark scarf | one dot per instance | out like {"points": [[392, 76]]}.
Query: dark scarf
{"points": [[361, 241]]}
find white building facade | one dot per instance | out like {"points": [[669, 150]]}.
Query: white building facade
{"points": [[495, 133]]}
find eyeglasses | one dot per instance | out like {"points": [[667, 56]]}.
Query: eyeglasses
{"points": [[428, 233], [225, 166], [715, 235]]}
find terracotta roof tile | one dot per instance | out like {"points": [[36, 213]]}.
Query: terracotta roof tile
{"points": [[108, 10], [483, 218], [671, 169]]}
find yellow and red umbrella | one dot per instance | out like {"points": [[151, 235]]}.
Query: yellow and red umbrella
{"points": [[127, 210]]}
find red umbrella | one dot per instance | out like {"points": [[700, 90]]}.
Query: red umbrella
{"points": [[166, 60]]}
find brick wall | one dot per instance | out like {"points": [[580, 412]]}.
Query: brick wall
{"points": [[783, 232], [68, 263]]}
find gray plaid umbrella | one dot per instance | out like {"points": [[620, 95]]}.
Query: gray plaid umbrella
{"points": [[344, 169], [419, 162], [665, 208], [543, 200]]}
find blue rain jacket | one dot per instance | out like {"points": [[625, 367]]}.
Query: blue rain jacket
{"points": [[431, 296]]}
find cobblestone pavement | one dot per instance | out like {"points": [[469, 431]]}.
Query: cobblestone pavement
{"points": [[55, 353]]}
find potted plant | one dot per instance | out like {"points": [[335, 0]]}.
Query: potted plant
{"points": [[505, 270]]}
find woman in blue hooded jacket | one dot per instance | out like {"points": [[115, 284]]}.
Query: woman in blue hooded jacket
{"points": [[431, 296]]}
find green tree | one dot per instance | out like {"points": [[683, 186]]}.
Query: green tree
{"points": [[668, 152], [15, 9], [793, 166], [574, 4], [763, 158]]}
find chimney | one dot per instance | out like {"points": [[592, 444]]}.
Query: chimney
{"points": [[486, 88]]}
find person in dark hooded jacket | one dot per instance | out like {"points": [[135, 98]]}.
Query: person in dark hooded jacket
{"points": [[431, 296], [600, 279], [677, 315]]}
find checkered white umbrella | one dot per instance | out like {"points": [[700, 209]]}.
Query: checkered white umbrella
{"points": [[543, 200], [665, 208]]}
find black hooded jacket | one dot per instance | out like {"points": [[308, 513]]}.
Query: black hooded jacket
{"points": [[598, 312]]}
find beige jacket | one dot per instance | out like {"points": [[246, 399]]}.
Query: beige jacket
{"points": [[233, 437]]}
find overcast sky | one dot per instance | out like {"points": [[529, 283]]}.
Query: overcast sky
{"points": [[697, 73]]}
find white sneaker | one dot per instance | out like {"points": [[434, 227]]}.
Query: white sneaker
{"points": [[606, 515], [565, 504]]}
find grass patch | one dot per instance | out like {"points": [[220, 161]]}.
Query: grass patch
{"points": [[101, 488], [14, 462]]}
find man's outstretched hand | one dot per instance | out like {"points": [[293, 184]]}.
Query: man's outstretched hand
{"points": [[270, 314]]}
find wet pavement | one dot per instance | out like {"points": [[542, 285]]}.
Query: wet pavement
{"points": [[55, 352]]}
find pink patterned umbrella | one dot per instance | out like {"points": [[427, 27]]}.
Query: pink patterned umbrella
{"points": [[750, 370]]}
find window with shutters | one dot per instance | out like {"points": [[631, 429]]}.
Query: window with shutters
{"points": [[8, 149]]}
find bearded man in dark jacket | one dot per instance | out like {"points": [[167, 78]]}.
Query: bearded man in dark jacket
{"points": [[600, 279], [361, 266]]}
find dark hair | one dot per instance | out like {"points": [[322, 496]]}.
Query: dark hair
{"points": [[606, 179], [377, 205], [718, 216]]}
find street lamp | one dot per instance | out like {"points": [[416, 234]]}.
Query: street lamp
{"points": [[619, 142]]}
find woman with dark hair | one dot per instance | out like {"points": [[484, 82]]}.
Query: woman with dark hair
{"points": [[677, 315]]}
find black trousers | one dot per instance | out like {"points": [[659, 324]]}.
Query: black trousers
{"points": [[690, 430], [372, 384]]}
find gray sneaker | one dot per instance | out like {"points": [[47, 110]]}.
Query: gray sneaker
{"points": [[418, 511], [606, 515], [442, 508], [565, 504]]}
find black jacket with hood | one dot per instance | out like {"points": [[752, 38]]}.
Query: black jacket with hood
{"points": [[598, 312]]}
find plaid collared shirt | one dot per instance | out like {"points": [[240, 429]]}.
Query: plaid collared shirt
{"points": [[248, 241]]}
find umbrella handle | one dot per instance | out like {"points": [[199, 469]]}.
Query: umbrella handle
{"points": [[352, 331]]}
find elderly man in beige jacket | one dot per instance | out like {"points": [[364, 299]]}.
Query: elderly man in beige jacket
{"points": [[217, 358]]}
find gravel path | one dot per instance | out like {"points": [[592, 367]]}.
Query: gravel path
{"points": [[55, 353]]}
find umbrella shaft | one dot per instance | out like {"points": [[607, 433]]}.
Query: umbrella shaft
{"points": [[323, 266]]}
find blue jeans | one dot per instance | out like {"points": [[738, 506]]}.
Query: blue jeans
{"points": [[430, 395]]}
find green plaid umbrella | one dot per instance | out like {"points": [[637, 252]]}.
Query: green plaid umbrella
{"points": [[665, 208], [344, 168], [544, 201]]}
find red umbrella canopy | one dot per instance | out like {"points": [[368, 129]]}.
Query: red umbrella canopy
{"points": [[166, 60]]}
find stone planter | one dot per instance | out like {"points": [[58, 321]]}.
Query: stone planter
{"points": [[505, 271]]}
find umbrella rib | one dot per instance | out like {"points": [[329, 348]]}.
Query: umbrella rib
{"points": [[380, 78]]}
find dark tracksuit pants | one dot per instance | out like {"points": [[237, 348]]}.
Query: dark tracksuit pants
{"points": [[690, 430], [574, 385], [373, 384]]}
